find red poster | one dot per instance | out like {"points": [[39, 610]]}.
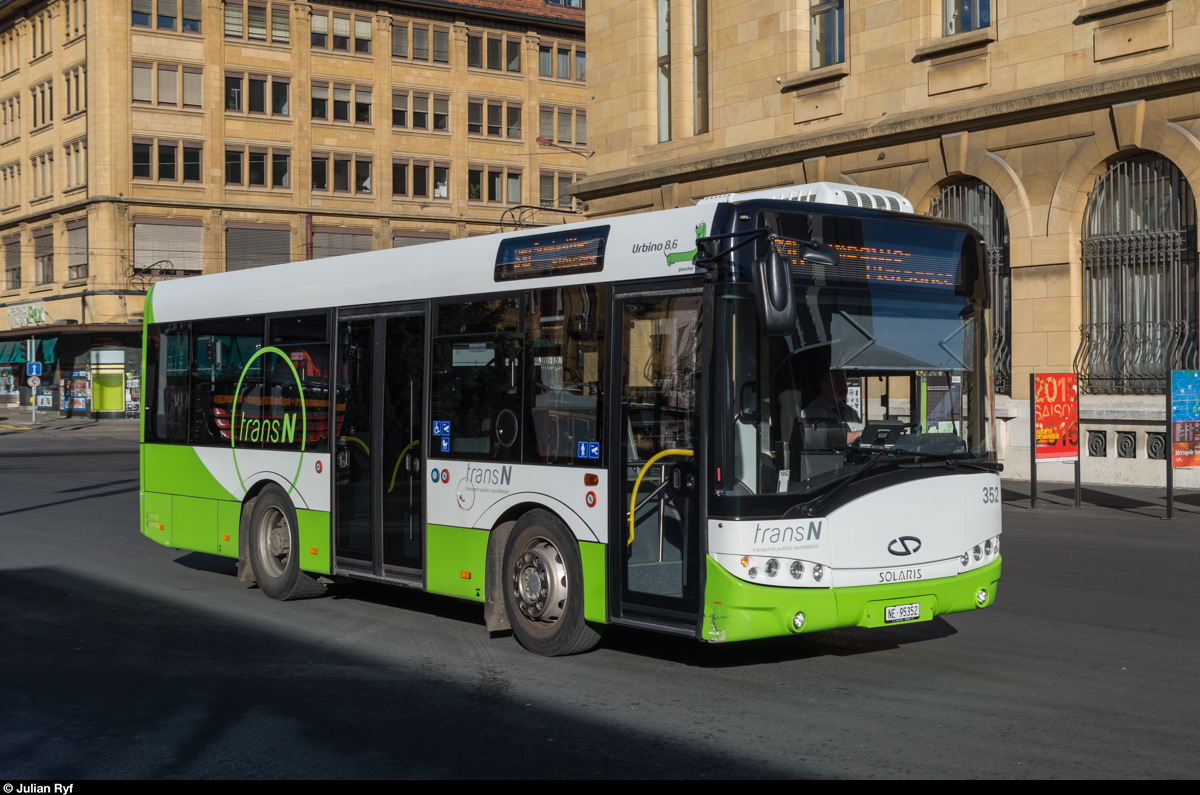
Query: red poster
{"points": [[1056, 412]]}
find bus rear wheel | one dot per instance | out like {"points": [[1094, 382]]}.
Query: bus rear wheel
{"points": [[274, 548], [543, 587]]}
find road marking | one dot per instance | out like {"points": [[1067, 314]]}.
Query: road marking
{"points": [[16, 428]]}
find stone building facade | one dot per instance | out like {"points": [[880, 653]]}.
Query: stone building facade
{"points": [[1067, 130], [153, 139]]}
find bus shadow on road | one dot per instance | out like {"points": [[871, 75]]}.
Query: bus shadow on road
{"points": [[769, 651], [102, 681]]}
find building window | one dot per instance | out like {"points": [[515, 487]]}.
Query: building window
{"points": [[700, 64], [143, 160], [254, 22], [320, 100], [420, 114], [399, 108], [77, 250], [166, 14], [964, 15], [664, 70], [43, 104], [420, 43], [362, 36], [233, 92], [12, 259], [423, 179], [75, 18], [344, 173], [192, 163], [43, 174], [341, 33], [1140, 292], [565, 3], [341, 103], [828, 32], [281, 169], [168, 161], [11, 109], [43, 257], [256, 97], [233, 165], [319, 30], [12, 185], [41, 35], [193, 87], [503, 118], [76, 93], [400, 40], [192, 14], [281, 32], [256, 168], [10, 50], [75, 154], [362, 105], [168, 85], [279, 96], [972, 202], [555, 124], [494, 184], [441, 113], [157, 159], [553, 188], [503, 52]]}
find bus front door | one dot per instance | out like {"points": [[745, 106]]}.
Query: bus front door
{"points": [[656, 441], [380, 491]]}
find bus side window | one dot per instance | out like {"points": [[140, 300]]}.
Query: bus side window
{"points": [[288, 409], [166, 383], [564, 354], [478, 380], [221, 357]]}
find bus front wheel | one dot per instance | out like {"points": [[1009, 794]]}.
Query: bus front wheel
{"points": [[543, 587], [274, 548]]}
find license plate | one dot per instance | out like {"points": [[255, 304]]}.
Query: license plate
{"points": [[897, 613]]}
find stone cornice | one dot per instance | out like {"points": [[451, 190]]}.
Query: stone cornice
{"points": [[1164, 79], [1109, 8], [826, 74], [970, 40]]}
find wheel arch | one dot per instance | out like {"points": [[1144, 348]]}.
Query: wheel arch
{"points": [[244, 572]]}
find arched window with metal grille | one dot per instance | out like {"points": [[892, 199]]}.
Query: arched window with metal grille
{"points": [[972, 202], [1139, 278]]}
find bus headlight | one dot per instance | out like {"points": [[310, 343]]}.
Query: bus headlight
{"points": [[978, 553], [987, 547], [818, 571], [797, 569], [772, 567], [798, 622], [981, 597], [966, 558], [753, 572]]}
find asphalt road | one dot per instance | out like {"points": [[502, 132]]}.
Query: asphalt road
{"points": [[120, 658]]}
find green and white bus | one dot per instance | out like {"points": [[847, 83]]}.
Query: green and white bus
{"points": [[766, 414]]}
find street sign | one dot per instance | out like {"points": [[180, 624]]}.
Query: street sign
{"points": [[33, 368], [34, 382], [1185, 418]]}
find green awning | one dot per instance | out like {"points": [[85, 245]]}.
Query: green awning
{"points": [[48, 350], [12, 352]]}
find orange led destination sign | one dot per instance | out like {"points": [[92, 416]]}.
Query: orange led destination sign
{"points": [[877, 264], [558, 254]]}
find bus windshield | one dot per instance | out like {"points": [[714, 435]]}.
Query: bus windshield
{"points": [[876, 378]]}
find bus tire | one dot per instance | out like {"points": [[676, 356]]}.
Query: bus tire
{"points": [[543, 587], [274, 548]]}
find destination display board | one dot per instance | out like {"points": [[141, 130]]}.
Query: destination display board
{"points": [[555, 254], [1185, 418], [1056, 416]]}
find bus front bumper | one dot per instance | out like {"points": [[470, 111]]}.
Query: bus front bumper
{"points": [[737, 610]]}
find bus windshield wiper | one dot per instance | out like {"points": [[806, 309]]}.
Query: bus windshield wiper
{"points": [[813, 507], [949, 462]]}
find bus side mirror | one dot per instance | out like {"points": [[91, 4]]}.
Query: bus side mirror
{"points": [[774, 295]]}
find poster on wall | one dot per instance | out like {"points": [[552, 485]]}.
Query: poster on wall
{"points": [[1185, 418], [8, 381], [1056, 416], [133, 394]]}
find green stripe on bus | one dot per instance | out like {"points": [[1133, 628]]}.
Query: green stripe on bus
{"points": [[176, 469], [738, 610], [455, 561], [594, 579]]}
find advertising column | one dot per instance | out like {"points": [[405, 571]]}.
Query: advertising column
{"points": [[1184, 431]]}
